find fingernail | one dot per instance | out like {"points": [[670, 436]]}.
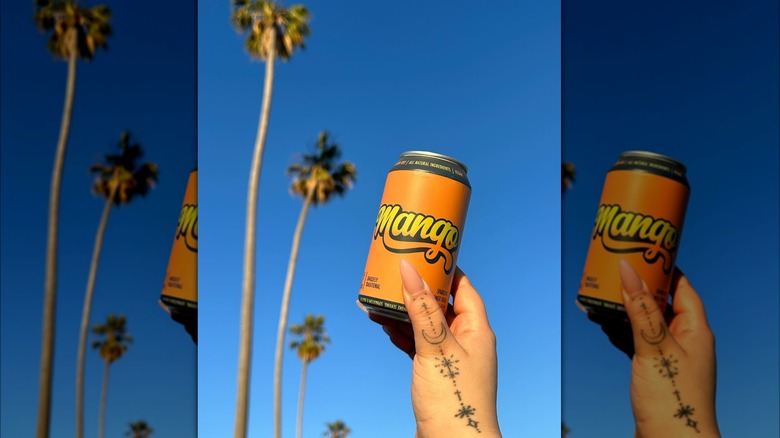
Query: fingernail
{"points": [[632, 283], [412, 281]]}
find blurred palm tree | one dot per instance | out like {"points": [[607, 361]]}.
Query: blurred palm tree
{"points": [[76, 32], [337, 429], [112, 347], [567, 176], [564, 430], [118, 181], [274, 31], [316, 179], [309, 347], [139, 429]]}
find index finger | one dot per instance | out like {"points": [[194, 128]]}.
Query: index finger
{"points": [[466, 300], [687, 304]]}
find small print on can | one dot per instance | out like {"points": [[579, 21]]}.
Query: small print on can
{"points": [[420, 219], [180, 288], [640, 219]]}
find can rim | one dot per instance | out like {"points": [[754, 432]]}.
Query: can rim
{"points": [[439, 156], [657, 156]]}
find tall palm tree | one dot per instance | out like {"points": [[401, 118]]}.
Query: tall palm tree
{"points": [[119, 181], [309, 347], [112, 347], [273, 31], [76, 32], [567, 176], [139, 429], [337, 429], [316, 180]]}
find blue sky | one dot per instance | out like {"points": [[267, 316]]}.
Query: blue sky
{"points": [[479, 85], [145, 83], [696, 81]]}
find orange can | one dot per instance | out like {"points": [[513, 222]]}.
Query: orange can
{"points": [[180, 288], [640, 219], [421, 219]]}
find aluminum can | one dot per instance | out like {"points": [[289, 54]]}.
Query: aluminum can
{"points": [[180, 288], [640, 219], [421, 219]]}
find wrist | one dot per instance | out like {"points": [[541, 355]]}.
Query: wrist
{"points": [[704, 427], [484, 428]]}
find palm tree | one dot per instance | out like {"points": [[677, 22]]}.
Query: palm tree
{"points": [[567, 176], [273, 31], [119, 181], [337, 429], [112, 347], [316, 180], [310, 346], [139, 429], [76, 32]]}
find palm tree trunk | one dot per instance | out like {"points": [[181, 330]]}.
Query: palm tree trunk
{"points": [[248, 298], [103, 396], [50, 290], [283, 315], [300, 397], [85, 314]]}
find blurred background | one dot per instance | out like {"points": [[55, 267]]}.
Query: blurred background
{"points": [[145, 83], [696, 81]]}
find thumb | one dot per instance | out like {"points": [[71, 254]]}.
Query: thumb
{"points": [[647, 322], [432, 336]]}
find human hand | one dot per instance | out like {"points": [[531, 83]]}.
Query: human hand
{"points": [[454, 371], [673, 368], [619, 330]]}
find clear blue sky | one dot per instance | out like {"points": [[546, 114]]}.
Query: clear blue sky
{"points": [[697, 81], [145, 83], [478, 83]]}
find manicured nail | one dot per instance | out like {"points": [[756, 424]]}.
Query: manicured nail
{"points": [[412, 281], [632, 283]]}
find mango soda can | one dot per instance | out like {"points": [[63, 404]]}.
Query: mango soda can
{"points": [[180, 288], [639, 219], [421, 219]]}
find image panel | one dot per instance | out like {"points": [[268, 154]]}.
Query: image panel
{"points": [[481, 88], [97, 144], [670, 141]]}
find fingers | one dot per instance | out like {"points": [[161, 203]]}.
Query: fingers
{"points": [[432, 336], [617, 330], [647, 322], [688, 306], [401, 339], [466, 299]]}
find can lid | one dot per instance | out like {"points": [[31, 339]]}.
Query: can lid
{"points": [[439, 156], [654, 163], [655, 156]]}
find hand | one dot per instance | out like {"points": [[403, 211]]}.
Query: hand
{"points": [[454, 371], [673, 368]]}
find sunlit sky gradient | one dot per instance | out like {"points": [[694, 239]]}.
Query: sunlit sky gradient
{"points": [[480, 84], [697, 81], [145, 83]]}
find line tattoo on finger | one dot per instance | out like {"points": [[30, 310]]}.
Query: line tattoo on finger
{"points": [[448, 368], [667, 367]]}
